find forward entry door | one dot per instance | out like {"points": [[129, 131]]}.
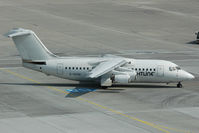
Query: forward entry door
{"points": [[60, 69], [160, 71]]}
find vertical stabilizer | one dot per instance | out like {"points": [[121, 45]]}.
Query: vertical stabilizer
{"points": [[29, 45]]}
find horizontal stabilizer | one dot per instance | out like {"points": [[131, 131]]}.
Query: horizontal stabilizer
{"points": [[18, 32]]}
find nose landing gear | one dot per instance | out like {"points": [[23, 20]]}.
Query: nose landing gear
{"points": [[179, 85]]}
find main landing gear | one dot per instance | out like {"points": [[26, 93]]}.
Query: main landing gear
{"points": [[104, 87], [179, 85]]}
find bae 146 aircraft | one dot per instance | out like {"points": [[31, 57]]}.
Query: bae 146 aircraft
{"points": [[106, 70]]}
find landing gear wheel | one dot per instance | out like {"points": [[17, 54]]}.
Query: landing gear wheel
{"points": [[104, 87], [179, 85]]}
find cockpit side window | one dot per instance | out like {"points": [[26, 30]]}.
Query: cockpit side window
{"points": [[170, 69]]}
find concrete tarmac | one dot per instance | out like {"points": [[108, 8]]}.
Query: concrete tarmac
{"points": [[157, 29]]}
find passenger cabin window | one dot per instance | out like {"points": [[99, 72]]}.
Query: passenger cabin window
{"points": [[79, 68]]}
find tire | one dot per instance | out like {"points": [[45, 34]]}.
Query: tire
{"points": [[179, 85], [104, 87]]}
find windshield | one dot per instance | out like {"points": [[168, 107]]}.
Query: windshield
{"points": [[178, 68], [174, 68]]}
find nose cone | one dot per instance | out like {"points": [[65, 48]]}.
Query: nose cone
{"points": [[183, 75], [190, 76]]}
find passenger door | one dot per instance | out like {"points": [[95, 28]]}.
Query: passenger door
{"points": [[60, 69], [160, 71]]}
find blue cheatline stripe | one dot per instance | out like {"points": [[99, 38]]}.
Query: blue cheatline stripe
{"points": [[80, 90]]}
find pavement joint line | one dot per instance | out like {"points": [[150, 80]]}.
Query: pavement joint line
{"points": [[158, 127]]}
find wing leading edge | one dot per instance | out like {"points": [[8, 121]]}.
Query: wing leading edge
{"points": [[106, 66]]}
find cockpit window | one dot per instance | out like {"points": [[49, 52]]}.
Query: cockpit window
{"points": [[170, 69], [174, 68], [178, 68]]}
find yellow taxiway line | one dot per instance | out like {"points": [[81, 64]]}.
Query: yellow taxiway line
{"points": [[158, 127]]}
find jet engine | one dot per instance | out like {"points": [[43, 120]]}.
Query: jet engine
{"points": [[121, 79], [124, 78]]}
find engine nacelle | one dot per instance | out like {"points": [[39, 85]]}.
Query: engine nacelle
{"points": [[124, 79], [133, 76]]}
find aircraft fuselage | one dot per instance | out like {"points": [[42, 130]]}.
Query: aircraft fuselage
{"points": [[147, 71]]}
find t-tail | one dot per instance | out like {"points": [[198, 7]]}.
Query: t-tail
{"points": [[29, 45], [32, 51]]}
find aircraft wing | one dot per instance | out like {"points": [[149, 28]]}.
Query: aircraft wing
{"points": [[106, 66]]}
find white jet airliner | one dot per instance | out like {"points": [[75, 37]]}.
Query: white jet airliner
{"points": [[106, 70]]}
